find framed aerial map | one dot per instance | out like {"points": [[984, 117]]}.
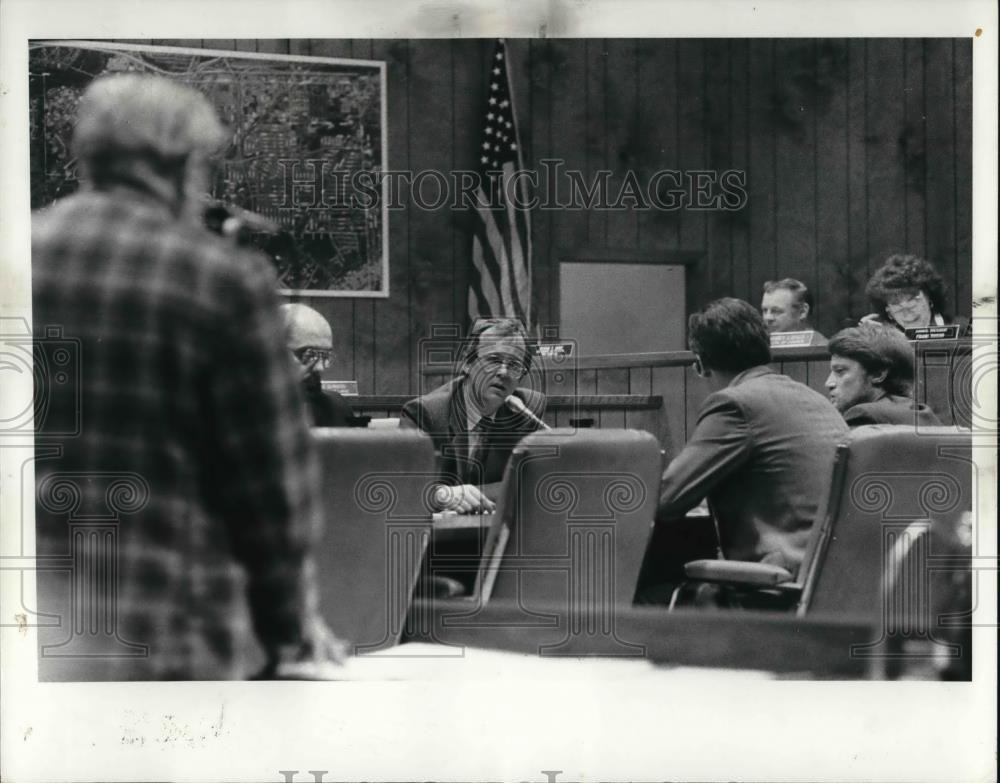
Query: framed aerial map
{"points": [[304, 162]]}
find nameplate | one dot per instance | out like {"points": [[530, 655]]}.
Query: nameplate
{"points": [[555, 350], [347, 388], [792, 339], [933, 333]]}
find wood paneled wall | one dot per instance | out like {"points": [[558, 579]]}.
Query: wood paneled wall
{"points": [[853, 149]]}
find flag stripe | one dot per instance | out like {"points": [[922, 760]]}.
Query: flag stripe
{"points": [[500, 274], [481, 283]]}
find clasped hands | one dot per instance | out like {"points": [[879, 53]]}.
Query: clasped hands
{"points": [[463, 499]]}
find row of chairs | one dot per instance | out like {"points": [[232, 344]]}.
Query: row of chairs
{"points": [[575, 517]]}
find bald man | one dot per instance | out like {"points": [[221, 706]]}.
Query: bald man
{"points": [[310, 340]]}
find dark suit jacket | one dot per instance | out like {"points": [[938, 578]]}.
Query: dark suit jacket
{"points": [[761, 452], [891, 410], [440, 414], [326, 408]]}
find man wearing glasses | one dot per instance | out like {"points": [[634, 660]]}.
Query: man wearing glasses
{"points": [[310, 340], [473, 428]]}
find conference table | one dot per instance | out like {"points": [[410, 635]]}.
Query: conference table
{"points": [[450, 520]]}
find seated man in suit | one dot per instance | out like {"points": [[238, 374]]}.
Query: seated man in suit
{"points": [[761, 454], [473, 428], [871, 376], [786, 305], [310, 340]]}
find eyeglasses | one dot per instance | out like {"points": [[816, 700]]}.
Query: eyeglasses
{"points": [[515, 367], [907, 304], [315, 358]]}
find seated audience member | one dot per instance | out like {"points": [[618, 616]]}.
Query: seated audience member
{"points": [[908, 293], [310, 340], [473, 429], [761, 451], [871, 375], [786, 305]]}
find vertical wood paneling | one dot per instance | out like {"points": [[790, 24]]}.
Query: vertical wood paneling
{"points": [[640, 381], [669, 383], [394, 364], [718, 127], [693, 155], [857, 272], [832, 186], [432, 242], [465, 133], [569, 134], [596, 151], [853, 149], [886, 167], [739, 158], [363, 310], [761, 169], [273, 46], [795, 120], [537, 146], [620, 139], [657, 137], [939, 80], [962, 210], [914, 146], [612, 382]]}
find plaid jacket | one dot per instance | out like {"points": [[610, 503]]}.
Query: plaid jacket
{"points": [[190, 441]]}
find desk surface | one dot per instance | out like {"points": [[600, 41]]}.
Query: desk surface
{"points": [[446, 520]]}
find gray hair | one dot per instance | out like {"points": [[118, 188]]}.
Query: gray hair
{"points": [[127, 117]]}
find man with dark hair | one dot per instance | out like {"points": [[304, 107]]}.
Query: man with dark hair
{"points": [[186, 391], [761, 451], [473, 427], [871, 377], [786, 305]]}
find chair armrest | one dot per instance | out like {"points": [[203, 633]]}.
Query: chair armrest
{"points": [[738, 571]]}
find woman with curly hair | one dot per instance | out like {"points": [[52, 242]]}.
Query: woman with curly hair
{"points": [[907, 292]]}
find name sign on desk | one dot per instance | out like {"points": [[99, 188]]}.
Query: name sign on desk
{"points": [[347, 388], [792, 339], [932, 333], [555, 350]]}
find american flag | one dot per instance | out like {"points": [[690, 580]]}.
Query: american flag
{"points": [[500, 280]]}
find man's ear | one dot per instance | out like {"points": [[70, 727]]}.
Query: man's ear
{"points": [[878, 378], [803, 311]]}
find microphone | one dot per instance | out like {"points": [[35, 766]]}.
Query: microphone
{"points": [[517, 405]]}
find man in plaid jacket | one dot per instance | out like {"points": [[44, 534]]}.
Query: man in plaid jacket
{"points": [[192, 442]]}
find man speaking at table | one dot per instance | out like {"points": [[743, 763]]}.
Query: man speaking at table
{"points": [[473, 425], [761, 451]]}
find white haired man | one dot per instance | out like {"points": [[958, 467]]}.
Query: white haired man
{"points": [[185, 386]]}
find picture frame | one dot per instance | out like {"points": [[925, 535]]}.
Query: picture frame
{"points": [[301, 174]]}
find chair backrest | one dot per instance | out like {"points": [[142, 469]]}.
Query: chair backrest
{"points": [[943, 377], [377, 522], [578, 508], [885, 478]]}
